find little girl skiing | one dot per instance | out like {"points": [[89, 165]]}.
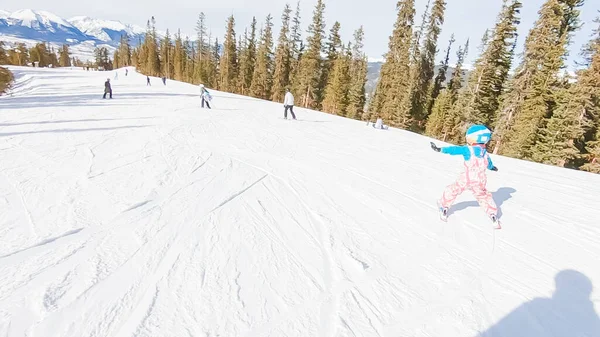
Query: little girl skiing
{"points": [[474, 178]]}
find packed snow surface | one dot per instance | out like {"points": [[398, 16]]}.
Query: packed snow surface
{"points": [[146, 215]]}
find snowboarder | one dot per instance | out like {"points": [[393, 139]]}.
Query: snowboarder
{"points": [[474, 178], [379, 124], [288, 103], [107, 89], [205, 95]]}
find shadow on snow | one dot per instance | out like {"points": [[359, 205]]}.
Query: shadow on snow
{"points": [[569, 312], [58, 121], [8, 134], [49, 101], [500, 196]]}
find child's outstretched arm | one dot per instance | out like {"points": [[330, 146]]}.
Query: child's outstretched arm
{"points": [[452, 150]]}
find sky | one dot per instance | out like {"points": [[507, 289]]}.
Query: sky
{"points": [[467, 19]]}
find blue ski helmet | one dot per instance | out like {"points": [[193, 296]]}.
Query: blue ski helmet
{"points": [[478, 134]]}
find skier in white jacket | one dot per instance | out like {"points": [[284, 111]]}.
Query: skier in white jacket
{"points": [[288, 103]]}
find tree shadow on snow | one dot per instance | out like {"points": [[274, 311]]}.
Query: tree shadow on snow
{"points": [[308, 121], [86, 100], [8, 134], [500, 196], [569, 312], [58, 121]]}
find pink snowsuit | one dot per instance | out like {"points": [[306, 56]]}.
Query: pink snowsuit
{"points": [[473, 178]]}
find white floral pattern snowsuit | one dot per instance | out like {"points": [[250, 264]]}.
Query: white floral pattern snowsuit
{"points": [[473, 178]]}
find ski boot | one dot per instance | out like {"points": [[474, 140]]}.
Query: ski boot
{"points": [[443, 212], [495, 221]]}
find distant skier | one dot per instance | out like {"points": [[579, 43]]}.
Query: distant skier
{"points": [[126, 72], [205, 95], [379, 124], [148, 81], [116, 75], [288, 103], [164, 79], [107, 89], [474, 178]]}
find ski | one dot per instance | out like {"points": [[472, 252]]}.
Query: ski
{"points": [[443, 212]]}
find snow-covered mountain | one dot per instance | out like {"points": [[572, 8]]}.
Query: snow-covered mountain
{"points": [[83, 34], [40, 25], [105, 30]]}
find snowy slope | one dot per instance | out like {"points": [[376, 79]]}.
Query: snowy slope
{"points": [[148, 216]]}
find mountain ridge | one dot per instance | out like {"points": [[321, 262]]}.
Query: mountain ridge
{"points": [[82, 33]]}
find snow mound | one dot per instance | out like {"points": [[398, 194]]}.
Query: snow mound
{"points": [[146, 215]]}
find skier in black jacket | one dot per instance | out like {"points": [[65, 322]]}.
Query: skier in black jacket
{"points": [[107, 89]]}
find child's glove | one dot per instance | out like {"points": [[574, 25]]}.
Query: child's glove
{"points": [[435, 148]]}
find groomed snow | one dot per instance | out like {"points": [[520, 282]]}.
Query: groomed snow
{"points": [[148, 216]]}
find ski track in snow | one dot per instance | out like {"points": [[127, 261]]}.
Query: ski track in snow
{"points": [[146, 215]]}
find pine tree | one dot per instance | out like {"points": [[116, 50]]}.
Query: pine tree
{"points": [[212, 64], [445, 118], [19, 55], [415, 47], [391, 101], [178, 58], [333, 48], [214, 69], [202, 52], [124, 50], [281, 75], [166, 56], [229, 66], [151, 49], [248, 60], [3, 54], [440, 79], [480, 100], [188, 61], [358, 77], [140, 56], [309, 77], [116, 59], [575, 116], [439, 122], [242, 44], [65, 58], [589, 81], [557, 142], [529, 100], [336, 92], [296, 51], [262, 79], [424, 68]]}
